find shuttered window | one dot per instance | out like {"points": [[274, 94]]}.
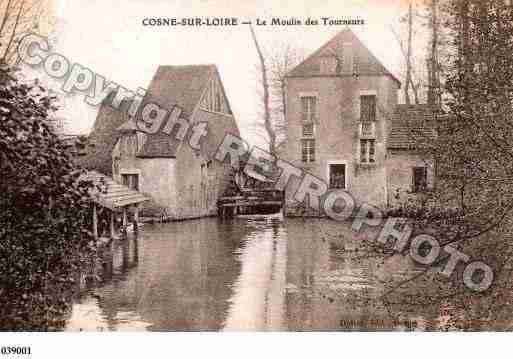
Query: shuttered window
{"points": [[308, 108]]}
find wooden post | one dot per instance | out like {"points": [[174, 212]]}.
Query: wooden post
{"points": [[112, 230], [125, 220], [136, 218], [95, 222]]}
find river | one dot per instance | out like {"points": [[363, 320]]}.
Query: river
{"points": [[211, 275]]}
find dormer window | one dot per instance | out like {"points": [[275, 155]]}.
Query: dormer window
{"points": [[328, 64], [347, 58]]}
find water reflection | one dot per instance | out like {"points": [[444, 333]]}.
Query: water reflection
{"points": [[258, 301], [175, 276], [207, 274]]}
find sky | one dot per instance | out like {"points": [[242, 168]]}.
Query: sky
{"points": [[108, 37]]}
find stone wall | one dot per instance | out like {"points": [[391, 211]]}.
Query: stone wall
{"points": [[198, 189], [156, 178]]}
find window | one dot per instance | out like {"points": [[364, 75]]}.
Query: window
{"points": [[367, 151], [308, 108], [131, 181], [308, 150], [308, 115], [367, 108], [419, 179], [337, 176], [129, 144], [308, 129]]}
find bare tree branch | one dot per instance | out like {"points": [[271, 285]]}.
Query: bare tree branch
{"points": [[265, 85]]}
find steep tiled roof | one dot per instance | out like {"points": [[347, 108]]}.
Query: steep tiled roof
{"points": [[170, 86], [104, 136], [219, 126], [193, 83], [368, 64], [410, 126], [180, 85]]}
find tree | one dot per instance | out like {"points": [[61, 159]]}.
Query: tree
{"points": [[472, 204], [18, 17], [434, 90], [272, 71], [281, 62], [45, 212], [410, 73], [474, 149], [408, 79], [266, 97]]}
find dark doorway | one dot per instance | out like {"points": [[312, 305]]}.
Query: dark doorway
{"points": [[419, 179], [337, 173]]}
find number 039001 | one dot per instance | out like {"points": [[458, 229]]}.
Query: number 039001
{"points": [[15, 350]]}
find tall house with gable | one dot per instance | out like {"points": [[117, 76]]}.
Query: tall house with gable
{"points": [[341, 103]]}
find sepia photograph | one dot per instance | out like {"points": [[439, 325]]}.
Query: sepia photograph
{"points": [[252, 166]]}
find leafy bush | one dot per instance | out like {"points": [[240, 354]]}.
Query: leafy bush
{"points": [[45, 212]]}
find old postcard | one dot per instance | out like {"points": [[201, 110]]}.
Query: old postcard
{"points": [[179, 166]]}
